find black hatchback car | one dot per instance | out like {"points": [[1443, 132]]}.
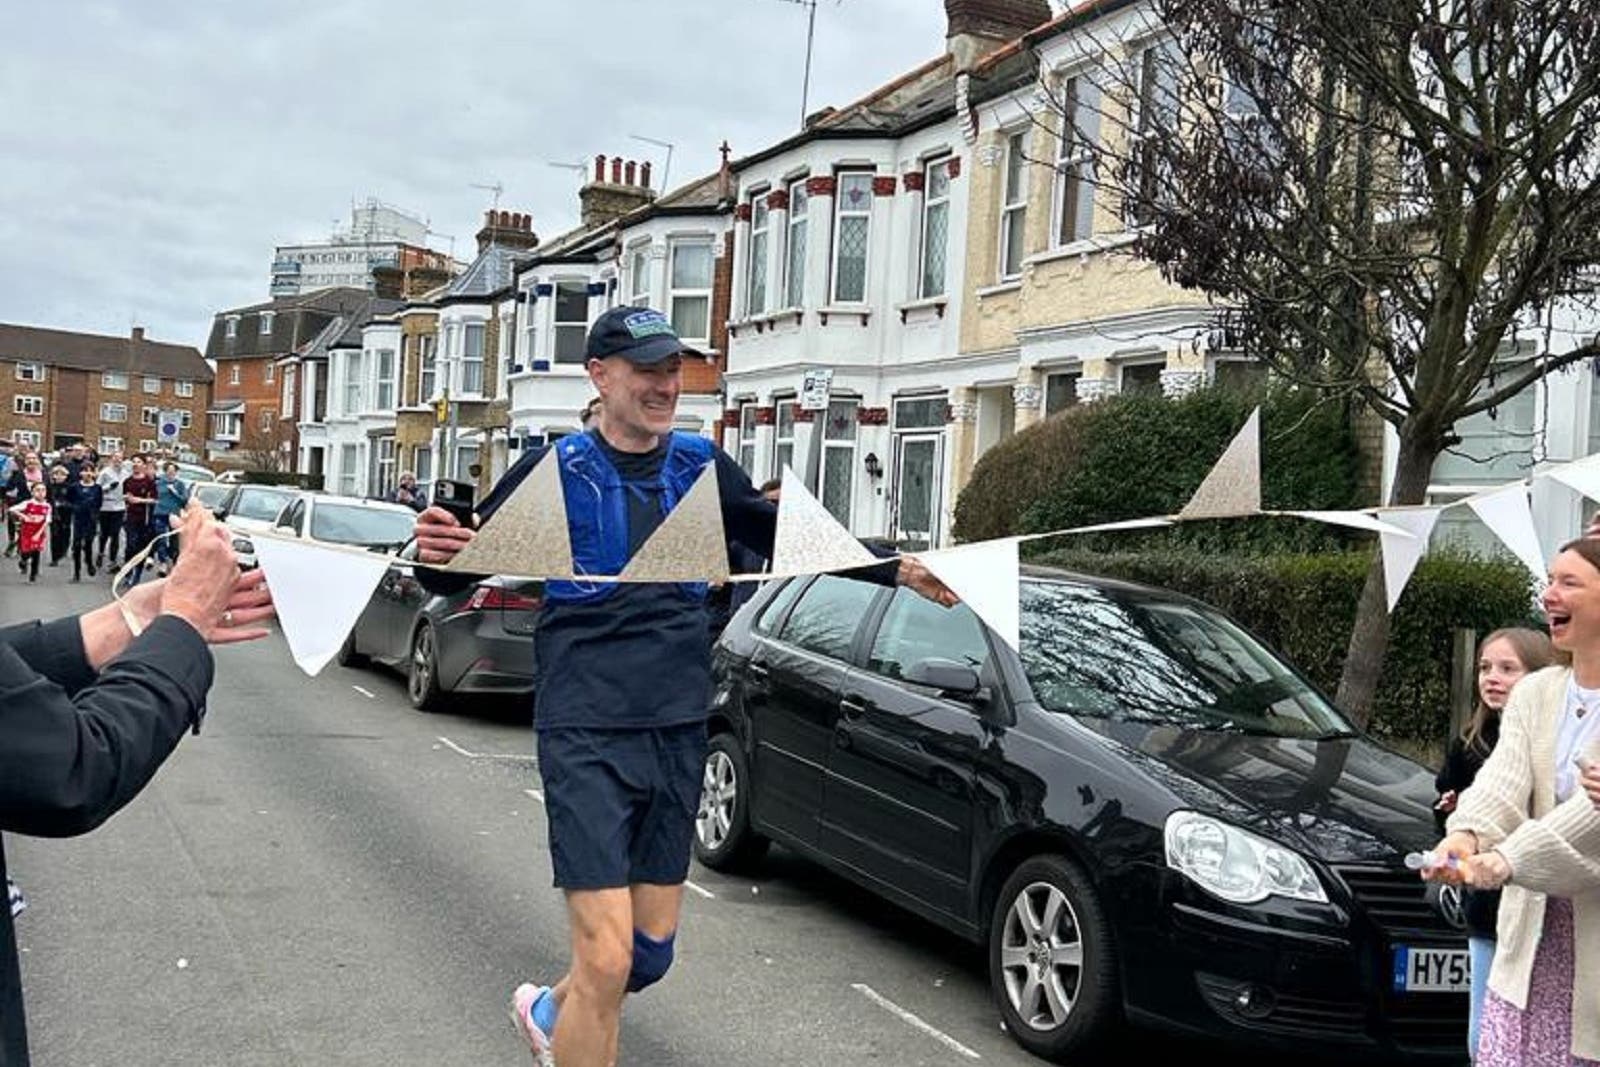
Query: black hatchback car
{"points": [[478, 641], [1146, 815]]}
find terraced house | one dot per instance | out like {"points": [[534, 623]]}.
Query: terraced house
{"points": [[849, 253]]}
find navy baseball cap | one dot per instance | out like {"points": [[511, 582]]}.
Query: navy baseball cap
{"points": [[639, 335]]}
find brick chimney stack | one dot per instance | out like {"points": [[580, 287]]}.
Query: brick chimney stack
{"points": [[627, 190], [138, 334], [511, 229], [977, 27]]}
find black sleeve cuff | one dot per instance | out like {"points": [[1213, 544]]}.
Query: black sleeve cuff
{"points": [[174, 648], [54, 649]]}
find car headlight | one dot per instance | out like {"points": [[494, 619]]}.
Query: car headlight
{"points": [[241, 545], [1237, 865]]}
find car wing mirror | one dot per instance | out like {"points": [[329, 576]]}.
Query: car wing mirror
{"points": [[946, 675]]}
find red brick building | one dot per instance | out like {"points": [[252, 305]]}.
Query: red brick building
{"points": [[60, 387]]}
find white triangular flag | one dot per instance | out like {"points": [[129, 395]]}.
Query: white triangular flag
{"points": [[809, 540], [1401, 552], [319, 593], [1355, 520], [527, 535], [689, 545], [1581, 475], [1109, 527], [1233, 487], [984, 576], [1509, 517]]}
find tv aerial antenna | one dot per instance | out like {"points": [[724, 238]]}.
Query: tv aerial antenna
{"points": [[811, 34], [496, 188]]}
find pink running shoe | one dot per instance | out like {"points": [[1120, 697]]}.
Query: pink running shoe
{"points": [[523, 999]]}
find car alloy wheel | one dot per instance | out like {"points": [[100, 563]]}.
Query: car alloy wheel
{"points": [[1052, 962], [718, 791], [1041, 956], [723, 839], [422, 679]]}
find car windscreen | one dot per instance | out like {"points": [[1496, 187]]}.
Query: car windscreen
{"points": [[1096, 653], [260, 504], [210, 494], [348, 524]]}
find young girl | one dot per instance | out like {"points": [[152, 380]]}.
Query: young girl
{"points": [[35, 531], [1503, 658]]}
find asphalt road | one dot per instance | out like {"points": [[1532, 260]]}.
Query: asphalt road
{"points": [[326, 876]]}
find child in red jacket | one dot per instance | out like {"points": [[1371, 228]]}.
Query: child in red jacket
{"points": [[35, 532]]}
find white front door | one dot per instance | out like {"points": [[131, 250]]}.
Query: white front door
{"points": [[918, 464]]}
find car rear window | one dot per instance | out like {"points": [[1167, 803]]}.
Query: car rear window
{"points": [[1091, 652], [350, 524], [260, 504], [916, 629]]}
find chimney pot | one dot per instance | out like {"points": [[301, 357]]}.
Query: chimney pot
{"points": [[488, 218], [628, 173], [138, 333], [600, 167], [644, 174], [616, 170]]}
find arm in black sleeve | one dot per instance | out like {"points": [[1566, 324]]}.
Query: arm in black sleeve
{"points": [[751, 520], [442, 583], [53, 649], [68, 763]]}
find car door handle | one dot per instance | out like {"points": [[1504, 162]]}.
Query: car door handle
{"points": [[851, 708], [758, 672]]}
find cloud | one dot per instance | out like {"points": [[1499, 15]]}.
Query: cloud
{"points": [[157, 151]]}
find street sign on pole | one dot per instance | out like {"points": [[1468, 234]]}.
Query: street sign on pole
{"points": [[167, 425], [814, 389]]}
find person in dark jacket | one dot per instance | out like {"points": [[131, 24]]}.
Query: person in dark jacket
{"points": [[86, 500], [1503, 658], [624, 680], [62, 491], [90, 707]]}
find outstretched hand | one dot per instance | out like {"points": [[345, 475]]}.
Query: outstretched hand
{"points": [[915, 576]]}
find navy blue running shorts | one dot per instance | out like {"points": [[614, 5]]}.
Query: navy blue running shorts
{"points": [[621, 803]]}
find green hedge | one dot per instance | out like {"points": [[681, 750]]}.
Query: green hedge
{"points": [[1135, 456], [1304, 606]]}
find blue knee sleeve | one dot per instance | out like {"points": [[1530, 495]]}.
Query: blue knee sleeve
{"points": [[651, 958]]}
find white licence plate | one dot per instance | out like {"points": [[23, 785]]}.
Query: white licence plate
{"points": [[1432, 970]]}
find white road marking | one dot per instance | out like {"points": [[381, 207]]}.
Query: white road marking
{"points": [[708, 894], [911, 1020], [363, 692], [535, 794], [513, 756]]}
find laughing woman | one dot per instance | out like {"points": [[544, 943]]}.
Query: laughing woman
{"points": [[1526, 824]]}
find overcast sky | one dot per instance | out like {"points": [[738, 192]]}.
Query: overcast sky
{"points": [[155, 151]]}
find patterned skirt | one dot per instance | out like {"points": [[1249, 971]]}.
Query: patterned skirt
{"points": [[1542, 1035]]}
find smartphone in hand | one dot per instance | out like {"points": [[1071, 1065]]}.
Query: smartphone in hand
{"points": [[456, 498]]}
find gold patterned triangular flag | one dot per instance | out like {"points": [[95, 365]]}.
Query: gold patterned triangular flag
{"points": [[1233, 487], [689, 545], [527, 535]]}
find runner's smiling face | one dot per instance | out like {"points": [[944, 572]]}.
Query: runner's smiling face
{"points": [[639, 402]]}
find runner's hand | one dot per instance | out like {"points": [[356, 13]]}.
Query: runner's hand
{"points": [[440, 536], [915, 576]]}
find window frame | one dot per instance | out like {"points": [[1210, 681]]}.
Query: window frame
{"points": [[149, 382], [31, 438], [929, 202], [269, 373], [115, 379], [234, 374], [840, 214], [24, 404], [780, 405], [1016, 165], [30, 372], [183, 388], [427, 367], [675, 293], [108, 411], [573, 286], [1074, 165], [149, 416], [384, 391], [639, 272], [265, 329], [759, 245], [470, 358], [748, 440], [797, 235]]}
